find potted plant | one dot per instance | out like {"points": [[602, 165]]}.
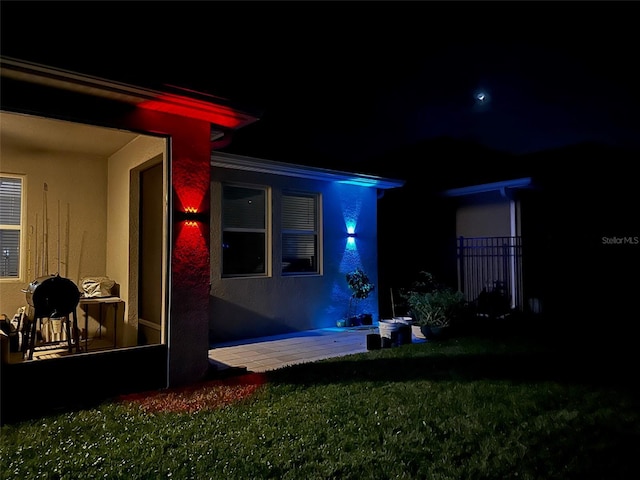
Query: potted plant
{"points": [[361, 288], [434, 307]]}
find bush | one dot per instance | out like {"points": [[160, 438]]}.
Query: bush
{"points": [[360, 287], [432, 304]]}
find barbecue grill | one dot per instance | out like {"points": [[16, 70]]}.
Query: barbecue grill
{"points": [[53, 296]]}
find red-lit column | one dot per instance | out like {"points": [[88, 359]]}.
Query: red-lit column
{"points": [[189, 322]]}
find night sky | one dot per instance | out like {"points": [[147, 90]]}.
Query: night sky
{"points": [[343, 82], [372, 86]]}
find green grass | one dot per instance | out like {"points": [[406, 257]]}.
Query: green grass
{"points": [[467, 408]]}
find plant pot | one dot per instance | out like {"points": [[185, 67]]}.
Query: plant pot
{"points": [[373, 341], [353, 321], [366, 319], [435, 333], [404, 334], [416, 330], [389, 332]]}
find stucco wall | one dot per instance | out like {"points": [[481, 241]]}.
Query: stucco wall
{"points": [[484, 215], [76, 203], [252, 307]]}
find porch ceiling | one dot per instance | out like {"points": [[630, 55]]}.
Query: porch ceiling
{"points": [[25, 132]]}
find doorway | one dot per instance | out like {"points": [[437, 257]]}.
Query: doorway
{"points": [[150, 259]]}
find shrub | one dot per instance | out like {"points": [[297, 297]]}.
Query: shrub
{"points": [[432, 304], [360, 286]]}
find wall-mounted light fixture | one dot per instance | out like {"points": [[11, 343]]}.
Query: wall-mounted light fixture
{"points": [[190, 216], [351, 238], [350, 225]]}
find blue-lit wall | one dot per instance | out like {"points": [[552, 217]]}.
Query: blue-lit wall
{"points": [[351, 241], [253, 307]]}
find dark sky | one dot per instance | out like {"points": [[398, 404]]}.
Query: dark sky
{"points": [[348, 81]]}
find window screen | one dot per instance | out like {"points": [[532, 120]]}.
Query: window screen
{"points": [[299, 233]]}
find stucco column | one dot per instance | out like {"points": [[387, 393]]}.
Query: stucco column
{"points": [[190, 271]]}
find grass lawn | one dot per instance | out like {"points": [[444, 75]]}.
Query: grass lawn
{"points": [[472, 407]]}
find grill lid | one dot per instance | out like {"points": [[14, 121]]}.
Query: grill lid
{"points": [[52, 296]]}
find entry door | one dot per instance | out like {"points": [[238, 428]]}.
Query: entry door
{"points": [[150, 297]]}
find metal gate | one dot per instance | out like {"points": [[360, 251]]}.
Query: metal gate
{"points": [[490, 273]]}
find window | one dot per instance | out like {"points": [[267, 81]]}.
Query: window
{"points": [[244, 231], [300, 233], [11, 211]]}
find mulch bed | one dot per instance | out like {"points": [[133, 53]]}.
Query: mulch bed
{"points": [[206, 395]]}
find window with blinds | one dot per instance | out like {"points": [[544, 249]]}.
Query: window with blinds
{"points": [[244, 231], [11, 188], [300, 233]]}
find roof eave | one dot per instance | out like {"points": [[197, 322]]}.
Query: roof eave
{"points": [[239, 162], [172, 100], [525, 182]]}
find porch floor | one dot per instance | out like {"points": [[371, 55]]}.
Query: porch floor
{"points": [[270, 353]]}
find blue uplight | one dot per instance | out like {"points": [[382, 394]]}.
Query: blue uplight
{"points": [[351, 236]]}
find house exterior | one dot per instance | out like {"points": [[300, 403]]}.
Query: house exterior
{"points": [[323, 225], [106, 181], [567, 236], [488, 226]]}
